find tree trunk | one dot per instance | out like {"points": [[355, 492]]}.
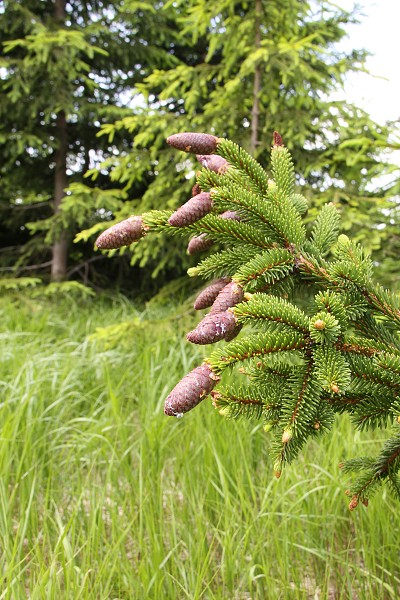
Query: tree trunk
{"points": [[255, 112], [60, 246]]}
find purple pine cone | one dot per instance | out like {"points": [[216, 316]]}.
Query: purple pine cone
{"points": [[230, 215], [199, 243], [212, 328], [234, 333], [202, 242], [190, 391], [122, 234], [196, 143], [230, 295], [208, 295], [193, 210], [213, 162]]}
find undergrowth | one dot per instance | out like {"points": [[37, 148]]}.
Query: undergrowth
{"points": [[101, 497]]}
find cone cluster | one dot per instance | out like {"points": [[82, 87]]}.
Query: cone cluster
{"points": [[206, 298]]}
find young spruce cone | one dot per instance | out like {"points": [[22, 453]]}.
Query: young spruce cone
{"points": [[230, 215], [122, 234], [202, 242], [230, 336], [191, 390], [212, 328], [208, 295], [196, 143], [199, 243], [193, 210], [230, 295], [213, 162]]}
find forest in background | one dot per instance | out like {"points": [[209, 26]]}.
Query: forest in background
{"points": [[89, 91]]}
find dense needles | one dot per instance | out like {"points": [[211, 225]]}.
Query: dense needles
{"points": [[302, 362]]}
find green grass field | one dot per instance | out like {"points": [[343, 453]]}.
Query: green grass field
{"points": [[103, 497]]}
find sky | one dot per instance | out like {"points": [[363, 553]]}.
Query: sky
{"points": [[379, 33]]}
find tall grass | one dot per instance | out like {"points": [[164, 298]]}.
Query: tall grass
{"points": [[102, 497]]}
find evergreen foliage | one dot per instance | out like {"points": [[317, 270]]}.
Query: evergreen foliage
{"points": [[67, 68], [328, 344], [253, 67]]}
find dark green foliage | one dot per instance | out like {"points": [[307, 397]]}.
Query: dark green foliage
{"points": [[330, 345], [68, 68], [337, 149]]}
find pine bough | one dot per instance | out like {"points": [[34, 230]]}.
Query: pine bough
{"points": [[300, 366]]}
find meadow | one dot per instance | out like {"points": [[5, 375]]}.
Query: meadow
{"points": [[103, 497]]}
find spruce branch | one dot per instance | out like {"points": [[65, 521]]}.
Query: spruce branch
{"points": [[334, 351]]}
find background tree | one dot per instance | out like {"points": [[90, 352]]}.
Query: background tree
{"points": [[67, 68], [268, 65]]}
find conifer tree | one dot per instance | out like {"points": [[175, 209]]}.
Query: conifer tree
{"points": [[66, 69], [291, 362], [266, 64]]}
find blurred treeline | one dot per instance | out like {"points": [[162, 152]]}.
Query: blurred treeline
{"points": [[90, 90]]}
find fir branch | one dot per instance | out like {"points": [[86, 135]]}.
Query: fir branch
{"points": [[300, 203], [243, 401], [326, 229], [299, 413], [385, 302], [266, 268], [263, 309], [331, 369], [224, 263], [207, 179], [230, 231], [157, 220], [254, 346], [373, 412], [363, 368], [362, 346], [371, 328], [249, 205], [245, 163], [388, 362], [385, 466], [303, 369], [282, 170]]}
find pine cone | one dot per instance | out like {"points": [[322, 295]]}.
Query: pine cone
{"points": [[230, 295], [234, 333], [196, 143], [212, 328], [193, 210], [230, 215], [213, 162], [208, 295], [122, 234], [190, 391], [199, 243]]}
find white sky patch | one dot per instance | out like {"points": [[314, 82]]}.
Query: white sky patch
{"points": [[378, 32]]}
